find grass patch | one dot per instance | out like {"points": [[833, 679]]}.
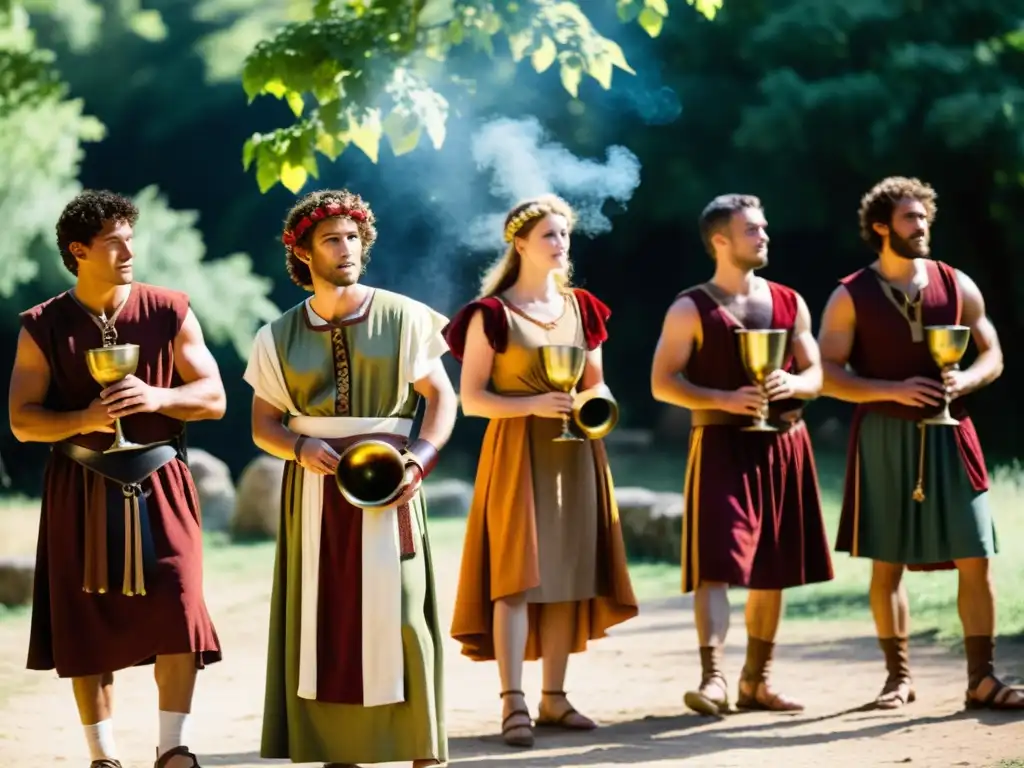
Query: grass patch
{"points": [[933, 595]]}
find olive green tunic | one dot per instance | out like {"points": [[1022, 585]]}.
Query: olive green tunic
{"points": [[363, 367]]}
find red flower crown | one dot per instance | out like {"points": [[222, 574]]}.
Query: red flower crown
{"points": [[292, 236]]}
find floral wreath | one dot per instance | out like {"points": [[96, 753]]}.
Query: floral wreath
{"points": [[292, 236], [530, 212]]}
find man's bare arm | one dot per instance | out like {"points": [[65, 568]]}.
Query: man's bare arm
{"points": [[835, 341], [988, 366], [30, 421], [201, 395], [269, 432], [808, 382], [680, 333], [442, 406]]}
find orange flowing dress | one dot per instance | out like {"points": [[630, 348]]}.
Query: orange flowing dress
{"points": [[543, 519]]}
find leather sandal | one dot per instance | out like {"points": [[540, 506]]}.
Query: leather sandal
{"points": [[997, 698], [105, 762], [508, 730], [772, 702], [562, 721], [897, 692], [702, 703], [165, 758]]}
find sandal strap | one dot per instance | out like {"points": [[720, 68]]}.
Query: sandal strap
{"points": [[510, 692], [552, 693], [162, 760], [505, 727]]}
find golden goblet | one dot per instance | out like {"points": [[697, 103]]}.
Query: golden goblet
{"points": [[109, 365], [947, 345], [762, 352], [563, 366]]}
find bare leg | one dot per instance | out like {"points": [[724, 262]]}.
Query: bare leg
{"points": [[94, 697], [977, 605], [557, 628], [890, 608], [711, 615], [763, 612], [176, 681], [511, 624]]}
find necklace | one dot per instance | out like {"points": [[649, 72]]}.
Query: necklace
{"points": [[108, 332]]}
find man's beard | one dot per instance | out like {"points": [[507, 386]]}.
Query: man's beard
{"points": [[755, 260], [905, 247], [339, 279]]}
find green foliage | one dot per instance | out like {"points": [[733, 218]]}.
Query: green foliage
{"points": [[39, 156], [358, 72], [230, 300], [238, 25], [41, 133]]}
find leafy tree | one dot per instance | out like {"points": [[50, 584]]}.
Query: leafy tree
{"points": [[41, 135], [357, 71]]}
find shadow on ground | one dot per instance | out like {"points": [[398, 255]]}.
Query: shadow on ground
{"points": [[662, 738]]}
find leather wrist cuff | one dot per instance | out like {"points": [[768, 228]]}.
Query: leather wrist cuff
{"points": [[298, 446], [423, 454]]}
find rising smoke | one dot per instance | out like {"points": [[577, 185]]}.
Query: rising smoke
{"points": [[522, 162], [441, 212]]}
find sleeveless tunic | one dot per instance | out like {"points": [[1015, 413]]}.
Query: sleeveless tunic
{"points": [[354, 368], [880, 519], [79, 633], [753, 508], [543, 519]]}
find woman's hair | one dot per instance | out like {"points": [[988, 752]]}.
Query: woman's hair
{"points": [[519, 222]]}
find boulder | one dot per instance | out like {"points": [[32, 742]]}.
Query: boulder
{"points": [[216, 489], [448, 498], [257, 512], [651, 524], [17, 575]]}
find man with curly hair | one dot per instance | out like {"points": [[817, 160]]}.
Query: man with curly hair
{"points": [[915, 495], [354, 669], [119, 575]]}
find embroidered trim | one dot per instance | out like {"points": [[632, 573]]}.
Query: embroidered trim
{"points": [[342, 373]]}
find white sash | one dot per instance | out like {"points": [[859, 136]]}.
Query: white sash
{"points": [[420, 348], [381, 578]]}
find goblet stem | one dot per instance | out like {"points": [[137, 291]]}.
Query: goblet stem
{"points": [[120, 442], [567, 436]]}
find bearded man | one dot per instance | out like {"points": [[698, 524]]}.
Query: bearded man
{"points": [[915, 496], [354, 668]]}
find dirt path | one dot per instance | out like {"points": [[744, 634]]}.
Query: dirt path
{"points": [[631, 682]]}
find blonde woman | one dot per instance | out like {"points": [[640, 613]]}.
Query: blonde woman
{"points": [[543, 565]]}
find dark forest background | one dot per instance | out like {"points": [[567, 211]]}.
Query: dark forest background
{"points": [[805, 103]]}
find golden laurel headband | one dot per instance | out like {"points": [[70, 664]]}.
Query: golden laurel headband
{"points": [[527, 214]]}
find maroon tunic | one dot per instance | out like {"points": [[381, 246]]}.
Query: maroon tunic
{"points": [[79, 633], [753, 509], [884, 348]]}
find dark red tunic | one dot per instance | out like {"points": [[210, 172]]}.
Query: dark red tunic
{"points": [[883, 348], [79, 633], [753, 510]]}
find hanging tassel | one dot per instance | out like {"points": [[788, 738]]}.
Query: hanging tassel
{"points": [[126, 585], [134, 576], [94, 579], [919, 490], [140, 579]]}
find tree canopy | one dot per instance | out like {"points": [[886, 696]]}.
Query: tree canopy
{"points": [[357, 71]]}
